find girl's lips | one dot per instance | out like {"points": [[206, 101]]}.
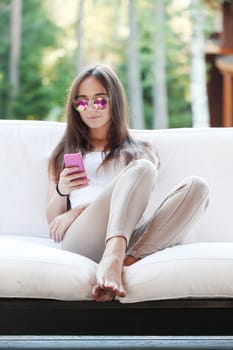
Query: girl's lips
{"points": [[93, 117]]}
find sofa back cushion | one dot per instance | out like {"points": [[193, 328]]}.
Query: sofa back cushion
{"points": [[203, 152], [24, 151], [25, 147]]}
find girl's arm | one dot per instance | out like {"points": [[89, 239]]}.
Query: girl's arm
{"points": [[56, 204], [58, 215], [69, 180], [62, 222]]}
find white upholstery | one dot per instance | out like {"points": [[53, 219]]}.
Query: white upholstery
{"points": [[197, 270], [36, 271], [202, 263], [24, 152]]}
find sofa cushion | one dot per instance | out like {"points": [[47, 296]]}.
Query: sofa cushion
{"points": [[199, 270], [31, 270], [24, 152], [205, 152]]}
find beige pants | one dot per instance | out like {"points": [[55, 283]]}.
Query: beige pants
{"points": [[117, 211]]}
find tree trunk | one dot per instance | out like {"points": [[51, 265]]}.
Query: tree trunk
{"points": [[79, 33], [159, 69], [15, 48], [133, 65], [199, 98]]}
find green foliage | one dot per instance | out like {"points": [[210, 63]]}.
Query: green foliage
{"points": [[61, 76], [38, 33], [48, 53], [4, 58], [178, 77], [177, 67], [33, 100]]}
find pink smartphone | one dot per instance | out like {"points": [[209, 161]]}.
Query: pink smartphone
{"points": [[74, 160]]}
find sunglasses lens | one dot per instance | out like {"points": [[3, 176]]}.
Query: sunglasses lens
{"points": [[81, 105], [100, 103]]}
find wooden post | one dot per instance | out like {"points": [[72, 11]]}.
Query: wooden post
{"points": [[225, 65], [227, 96]]}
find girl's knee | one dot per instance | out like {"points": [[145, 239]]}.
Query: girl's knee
{"points": [[200, 185], [146, 167], [199, 189], [142, 170], [193, 192]]}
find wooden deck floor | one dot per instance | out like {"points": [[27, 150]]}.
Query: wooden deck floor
{"points": [[114, 343]]}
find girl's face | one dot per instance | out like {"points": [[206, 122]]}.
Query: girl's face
{"points": [[93, 105]]}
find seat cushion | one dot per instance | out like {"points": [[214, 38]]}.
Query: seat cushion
{"points": [[197, 270], [32, 270]]}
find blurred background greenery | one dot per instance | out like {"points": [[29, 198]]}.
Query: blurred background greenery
{"points": [[44, 43]]}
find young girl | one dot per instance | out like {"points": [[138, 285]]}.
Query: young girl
{"points": [[105, 219]]}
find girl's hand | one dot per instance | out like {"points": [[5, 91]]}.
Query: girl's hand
{"points": [[71, 180], [61, 223]]}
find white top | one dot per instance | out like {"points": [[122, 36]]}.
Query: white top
{"points": [[99, 179]]}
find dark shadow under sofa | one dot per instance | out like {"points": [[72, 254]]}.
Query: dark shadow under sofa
{"points": [[184, 317]]}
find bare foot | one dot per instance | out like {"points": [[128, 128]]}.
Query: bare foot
{"points": [[109, 280], [102, 294]]}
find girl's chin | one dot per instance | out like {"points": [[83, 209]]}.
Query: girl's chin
{"points": [[97, 124]]}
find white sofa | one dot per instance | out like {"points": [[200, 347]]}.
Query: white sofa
{"points": [[34, 267]]}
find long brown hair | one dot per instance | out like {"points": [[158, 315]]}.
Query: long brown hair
{"points": [[76, 138]]}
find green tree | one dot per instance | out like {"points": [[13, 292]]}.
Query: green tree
{"points": [[199, 98], [15, 49], [178, 67], [133, 70], [33, 99], [4, 55], [177, 64], [159, 67], [48, 61]]}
